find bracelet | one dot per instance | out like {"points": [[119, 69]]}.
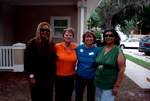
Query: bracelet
{"points": [[116, 86], [31, 76]]}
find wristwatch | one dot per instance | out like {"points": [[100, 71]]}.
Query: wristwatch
{"points": [[31, 76]]}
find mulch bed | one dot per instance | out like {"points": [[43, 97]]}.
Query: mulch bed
{"points": [[15, 87]]}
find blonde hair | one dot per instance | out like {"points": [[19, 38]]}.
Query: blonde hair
{"points": [[38, 39]]}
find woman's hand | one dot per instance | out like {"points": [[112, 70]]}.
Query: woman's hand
{"points": [[115, 90], [32, 81]]}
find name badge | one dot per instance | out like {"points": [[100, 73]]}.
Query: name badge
{"points": [[91, 53]]}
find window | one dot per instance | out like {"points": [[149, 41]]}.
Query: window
{"points": [[58, 25]]}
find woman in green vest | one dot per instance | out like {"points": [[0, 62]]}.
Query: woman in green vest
{"points": [[111, 67]]}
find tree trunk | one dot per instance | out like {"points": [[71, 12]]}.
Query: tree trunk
{"points": [[108, 22]]}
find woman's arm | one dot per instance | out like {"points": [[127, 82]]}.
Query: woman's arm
{"points": [[121, 67]]}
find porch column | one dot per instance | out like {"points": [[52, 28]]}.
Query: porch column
{"points": [[82, 19], [19, 57]]}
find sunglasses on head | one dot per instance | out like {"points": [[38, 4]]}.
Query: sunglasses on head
{"points": [[110, 35], [89, 31], [42, 30]]}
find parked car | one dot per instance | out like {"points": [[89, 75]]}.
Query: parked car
{"points": [[144, 45], [130, 43]]}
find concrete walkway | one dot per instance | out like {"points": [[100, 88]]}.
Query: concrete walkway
{"points": [[138, 74]]}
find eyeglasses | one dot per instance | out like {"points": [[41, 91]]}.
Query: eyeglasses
{"points": [[42, 30], [110, 35]]}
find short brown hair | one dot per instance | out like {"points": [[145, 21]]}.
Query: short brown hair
{"points": [[87, 33], [70, 30]]}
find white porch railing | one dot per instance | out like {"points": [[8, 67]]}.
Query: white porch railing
{"points": [[11, 57], [6, 57]]}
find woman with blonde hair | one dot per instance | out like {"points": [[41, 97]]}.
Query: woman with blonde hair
{"points": [[39, 63]]}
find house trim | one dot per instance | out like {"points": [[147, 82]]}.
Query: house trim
{"points": [[42, 3]]}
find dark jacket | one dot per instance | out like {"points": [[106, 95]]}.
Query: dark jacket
{"points": [[40, 61]]}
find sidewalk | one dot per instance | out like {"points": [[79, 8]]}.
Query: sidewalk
{"points": [[138, 74]]}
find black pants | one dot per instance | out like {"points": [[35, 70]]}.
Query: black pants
{"points": [[43, 91], [64, 88], [80, 87]]}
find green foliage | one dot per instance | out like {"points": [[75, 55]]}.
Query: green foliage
{"points": [[98, 34], [109, 8], [123, 18], [93, 20], [135, 15], [137, 18], [101, 18], [129, 26], [144, 20]]}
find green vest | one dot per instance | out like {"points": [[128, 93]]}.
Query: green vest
{"points": [[107, 71]]}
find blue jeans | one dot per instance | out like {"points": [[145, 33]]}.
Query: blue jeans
{"points": [[80, 86], [104, 95]]}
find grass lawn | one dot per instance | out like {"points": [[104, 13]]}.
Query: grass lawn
{"points": [[138, 61]]}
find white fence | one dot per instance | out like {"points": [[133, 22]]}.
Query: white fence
{"points": [[11, 57], [6, 57]]}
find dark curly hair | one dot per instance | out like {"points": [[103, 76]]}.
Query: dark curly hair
{"points": [[117, 38]]}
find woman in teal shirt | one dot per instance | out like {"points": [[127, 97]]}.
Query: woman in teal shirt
{"points": [[111, 67]]}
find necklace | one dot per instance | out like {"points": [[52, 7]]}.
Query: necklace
{"points": [[68, 46]]}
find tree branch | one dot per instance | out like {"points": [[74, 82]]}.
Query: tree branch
{"points": [[116, 12]]}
